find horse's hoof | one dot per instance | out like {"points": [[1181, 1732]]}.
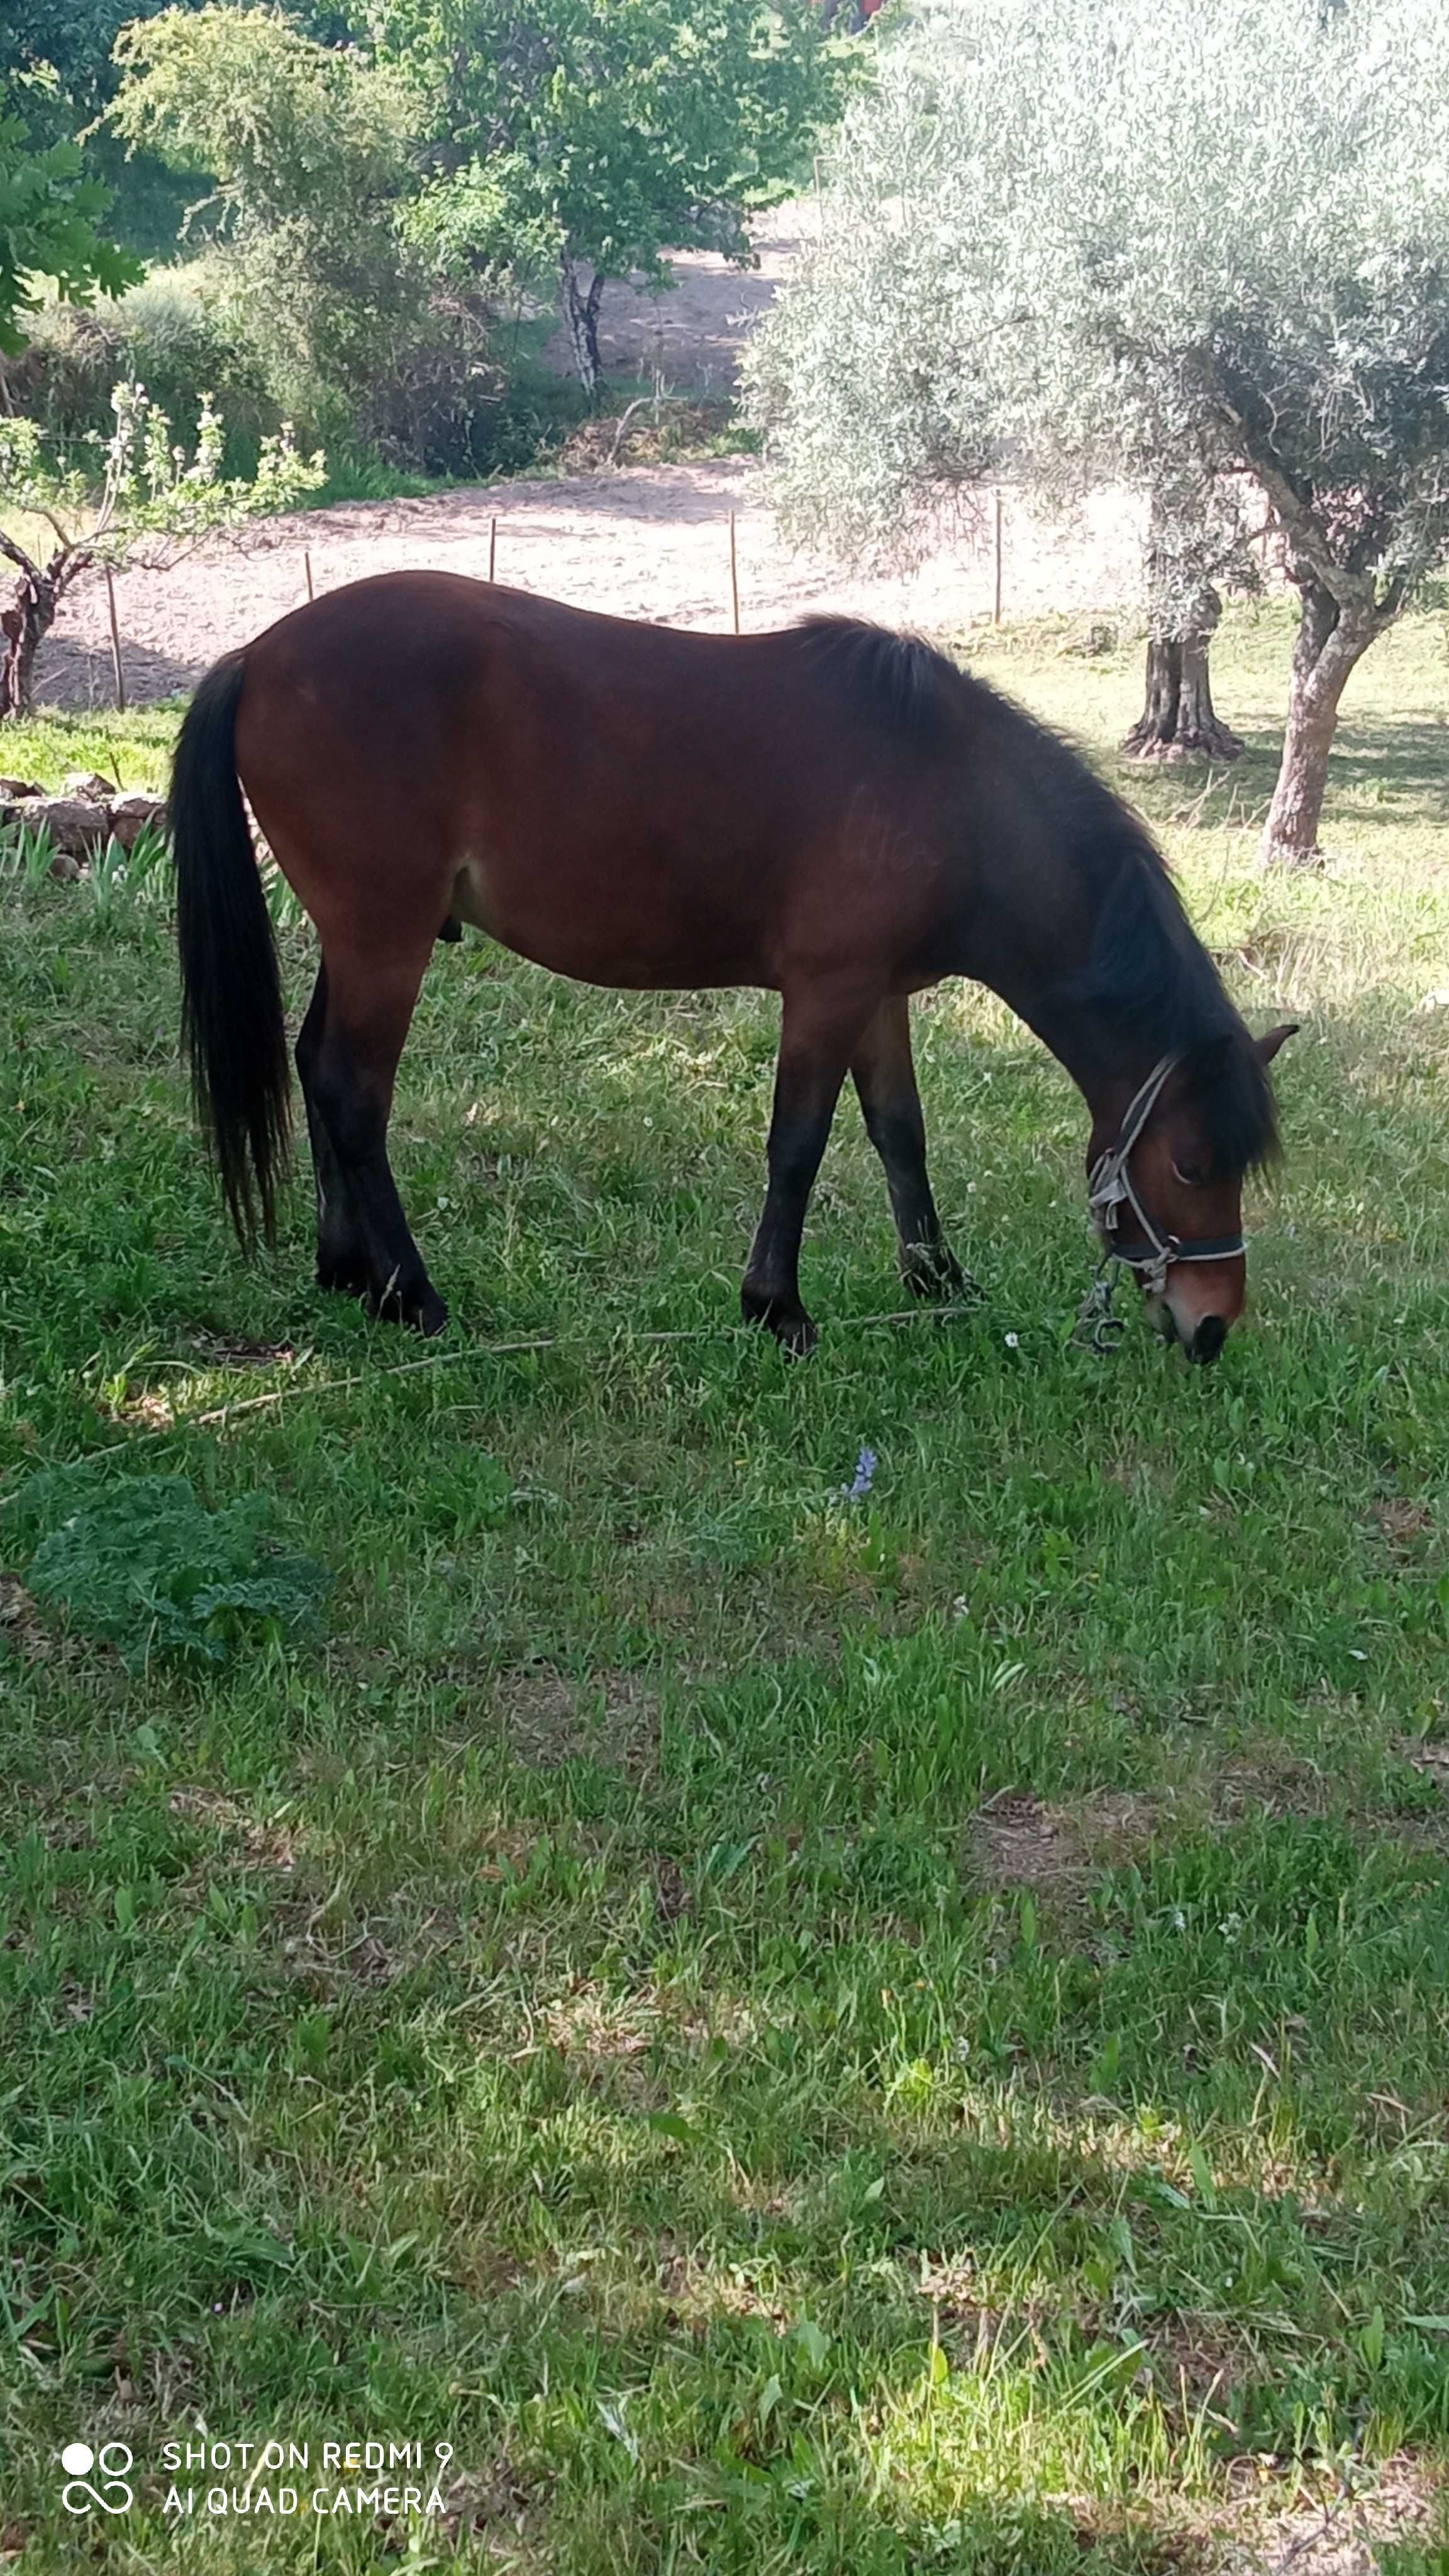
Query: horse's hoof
{"points": [[790, 1324], [421, 1310], [346, 1275], [796, 1334], [940, 1276]]}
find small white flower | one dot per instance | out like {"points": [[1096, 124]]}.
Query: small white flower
{"points": [[1013, 1341], [960, 1607]]}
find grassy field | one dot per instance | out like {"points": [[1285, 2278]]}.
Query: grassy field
{"points": [[790, 2032]]}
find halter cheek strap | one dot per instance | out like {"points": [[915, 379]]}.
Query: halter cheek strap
{"points": [[1110, 1188]]}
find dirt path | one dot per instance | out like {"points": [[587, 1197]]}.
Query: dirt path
{"points": [[648, 541]]}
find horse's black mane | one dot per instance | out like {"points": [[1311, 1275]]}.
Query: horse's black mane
{"points": [[1148, 973], [901, 677]]}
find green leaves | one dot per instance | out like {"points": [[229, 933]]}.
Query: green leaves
{"points": [[611, 130], [49, 215], [149, 1568], [1034, 248]]}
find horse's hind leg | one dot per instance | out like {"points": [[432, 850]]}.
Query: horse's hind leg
{"points": [[368, 1004], [819, 1030], [341, 1255], [885, 1078]]}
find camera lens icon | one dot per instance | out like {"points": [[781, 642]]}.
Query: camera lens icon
{"points": [[112, 2465]]}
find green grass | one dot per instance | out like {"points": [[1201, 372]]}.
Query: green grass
{"points": [[134, 749], [791, 2034]]}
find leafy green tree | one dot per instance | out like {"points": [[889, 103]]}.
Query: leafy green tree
{"points": [[314, 179], [49, 214], [1206, 250], [302, 151], [150, 503], [599, 134], [58, 53], [61, 52], [61, 49], [64, 48], [283, 125]]}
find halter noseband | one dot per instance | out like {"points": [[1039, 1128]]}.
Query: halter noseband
{"points": [[1110, 1187]]}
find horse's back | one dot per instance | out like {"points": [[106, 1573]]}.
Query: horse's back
{"points": [[626, 803]]}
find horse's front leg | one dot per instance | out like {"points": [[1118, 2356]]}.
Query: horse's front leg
{"points": [[820, 1025], [885, 1078]]}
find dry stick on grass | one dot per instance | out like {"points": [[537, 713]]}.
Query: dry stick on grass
{"points": [[734, 574], [307, 561], [492, 546], [225, 1413], [641, 402]]}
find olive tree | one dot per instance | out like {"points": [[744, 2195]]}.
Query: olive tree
{"points": [[1206, 251]]}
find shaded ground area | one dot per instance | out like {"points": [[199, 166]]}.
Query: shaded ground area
{"points": [[691, 336]]}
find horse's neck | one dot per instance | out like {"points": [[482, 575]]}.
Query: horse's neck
{"points": [[1033, 960]]}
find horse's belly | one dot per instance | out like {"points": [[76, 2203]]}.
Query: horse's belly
{"points": [[596, 939]]}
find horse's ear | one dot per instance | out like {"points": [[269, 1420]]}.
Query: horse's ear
{"points": [[1268, 1046]]}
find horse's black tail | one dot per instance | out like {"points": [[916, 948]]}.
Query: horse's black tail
{"points": [[232, 1028]]}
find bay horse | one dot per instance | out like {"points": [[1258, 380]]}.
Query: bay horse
{"points": [[833, 812]]}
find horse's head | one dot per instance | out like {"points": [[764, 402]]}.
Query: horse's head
{"points": [[1167, 1184]]}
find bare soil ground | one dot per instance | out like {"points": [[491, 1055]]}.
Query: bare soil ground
{"points": [[641, 541]]}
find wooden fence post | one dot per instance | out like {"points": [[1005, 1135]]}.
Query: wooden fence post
{"points": [[996, 593], [120, 676]]}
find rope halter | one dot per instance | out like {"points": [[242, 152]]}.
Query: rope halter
{"points": [[1110, 1188]]}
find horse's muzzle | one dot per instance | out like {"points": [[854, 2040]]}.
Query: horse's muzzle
{"points": [[1207, 1340], [1201, 1344]]}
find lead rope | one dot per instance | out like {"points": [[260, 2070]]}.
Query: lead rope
{"points": [[1097, 1328]]}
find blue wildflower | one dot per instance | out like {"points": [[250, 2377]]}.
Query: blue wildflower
{"points": [[865, 1467]]}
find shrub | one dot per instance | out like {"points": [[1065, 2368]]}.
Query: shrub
{"points": [[147, 1567], [363, 327], [178, 333]]}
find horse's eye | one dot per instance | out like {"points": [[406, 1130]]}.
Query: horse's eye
{"points": [[1190, 1180]]}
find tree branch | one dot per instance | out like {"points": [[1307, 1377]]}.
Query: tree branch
{"points": [[1355, 594], [17, 555], [61, 534]]}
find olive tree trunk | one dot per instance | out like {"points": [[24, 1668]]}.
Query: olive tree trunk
{"points": [[1331, 640], [581, 313], [1178, 720]]}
